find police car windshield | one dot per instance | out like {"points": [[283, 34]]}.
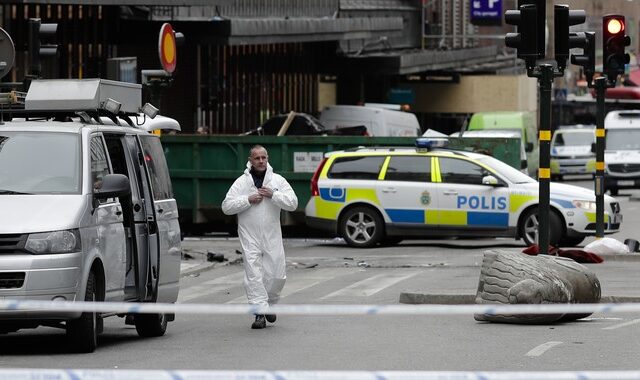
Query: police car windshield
{"points": [[623, 139], [39, 163], [510, 173]]}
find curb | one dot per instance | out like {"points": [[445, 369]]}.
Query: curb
{"points": [[466, 299]]}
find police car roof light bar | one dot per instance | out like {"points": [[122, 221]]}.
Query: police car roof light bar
{"points": [[431, 143]]}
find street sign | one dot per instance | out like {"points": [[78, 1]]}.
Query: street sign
{"points": [[486, 12], [167, 48], [7, 53]]}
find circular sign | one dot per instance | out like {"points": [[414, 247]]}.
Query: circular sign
{"points": [[167, 48], [7, 53]]}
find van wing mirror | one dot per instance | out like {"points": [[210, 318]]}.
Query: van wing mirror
{"points": [[593, 147], [528, 147], [112, 185]]}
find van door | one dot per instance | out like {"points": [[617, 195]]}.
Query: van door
{"points": [[146, 227], [166, 213], [107, 234]]}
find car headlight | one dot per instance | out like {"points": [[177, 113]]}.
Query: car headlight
{"points": [[585, 205], [54, 242]]}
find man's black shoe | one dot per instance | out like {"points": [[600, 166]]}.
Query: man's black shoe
{"points": [[270, 317], [259, 323]]}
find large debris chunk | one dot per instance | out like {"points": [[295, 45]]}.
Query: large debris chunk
{"points": [[515, 278]]}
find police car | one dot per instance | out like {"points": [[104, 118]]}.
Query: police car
{"points": [[383, 195]]}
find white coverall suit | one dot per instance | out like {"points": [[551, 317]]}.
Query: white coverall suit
{"points": [[260, 233]]}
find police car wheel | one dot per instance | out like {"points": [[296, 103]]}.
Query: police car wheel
{"points": [[362, 227], [83, 332], [529, 227]]}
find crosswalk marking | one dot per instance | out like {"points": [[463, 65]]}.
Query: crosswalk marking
{"points": [[211, 286], [297, 284], [371, 285]]}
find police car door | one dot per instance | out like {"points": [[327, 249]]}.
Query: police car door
{"points": [[465, 203], [406, 192]]}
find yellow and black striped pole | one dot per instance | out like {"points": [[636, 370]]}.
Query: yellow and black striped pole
{"points": [[544, 172], [601, 86]]}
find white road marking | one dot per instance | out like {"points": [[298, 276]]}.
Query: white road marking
{"points": [[210, 287], [297, 284], [625, 324], [371, 285], [541, 349]]}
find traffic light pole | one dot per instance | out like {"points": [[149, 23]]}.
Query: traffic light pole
{"points": [[601, 87], [545, 80]]}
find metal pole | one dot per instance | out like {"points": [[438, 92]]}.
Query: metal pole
{"points": [[544, 174], [601, 86]]}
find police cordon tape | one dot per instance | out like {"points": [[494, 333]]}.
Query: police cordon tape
{"points": [[99, 374], [302, 309]]}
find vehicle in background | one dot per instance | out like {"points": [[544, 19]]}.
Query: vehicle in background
{"points": [[622, 151], [506, 133], [523, 121], [383, 195], [571, 150], [378, 121], [302, 125]]}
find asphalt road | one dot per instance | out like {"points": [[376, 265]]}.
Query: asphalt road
{"points": [[326, 272]]}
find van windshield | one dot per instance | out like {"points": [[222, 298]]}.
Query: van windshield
{"points": [[623, 139], [574, 138], [39, 163]]}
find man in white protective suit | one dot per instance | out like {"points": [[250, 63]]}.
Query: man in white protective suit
{"points": [[257, 197]]}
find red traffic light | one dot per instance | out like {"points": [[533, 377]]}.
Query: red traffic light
{"points": [[615, 26]]}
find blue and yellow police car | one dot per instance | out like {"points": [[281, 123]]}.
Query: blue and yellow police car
{"points": [[383, 195]]}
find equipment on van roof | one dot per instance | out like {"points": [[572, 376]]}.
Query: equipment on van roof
{"points": [[89, 99]]}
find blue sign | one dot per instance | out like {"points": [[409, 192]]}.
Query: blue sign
{"points": [[486, 12]]}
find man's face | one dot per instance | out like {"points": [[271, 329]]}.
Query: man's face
{"points": [[259, 159]]}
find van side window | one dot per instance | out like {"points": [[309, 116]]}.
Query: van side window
{"points": [[99, 164], [159, 171], [453, 170], [409, 168], [366, 167]]}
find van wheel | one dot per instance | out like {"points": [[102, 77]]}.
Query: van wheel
{"points": [[530, 223], [362, 227], [83, 332], [150, 325]]}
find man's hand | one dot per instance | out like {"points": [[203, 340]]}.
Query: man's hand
{"points": [[255, 198], [265, 192]]}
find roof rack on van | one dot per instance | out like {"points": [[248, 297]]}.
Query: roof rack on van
{"points": [[87, 98]]}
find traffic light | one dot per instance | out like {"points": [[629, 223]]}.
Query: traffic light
{"points": [[41, 43], [529, 39], [614, 42], [563, 19], [588, 58]]}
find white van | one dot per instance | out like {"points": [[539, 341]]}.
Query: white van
{"points": [[379, 121], [88, 212], [622, 151]]}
